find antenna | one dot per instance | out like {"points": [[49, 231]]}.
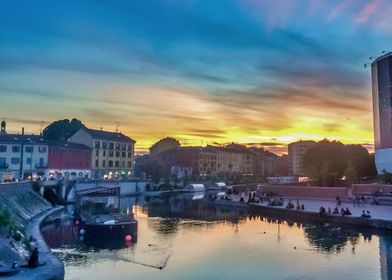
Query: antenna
{"points": [[41, 128], [117, 126]]}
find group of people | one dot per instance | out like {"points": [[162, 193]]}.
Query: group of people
{"points": [[343, 211]]}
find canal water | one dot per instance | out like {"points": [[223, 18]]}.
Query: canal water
{"points": [[184, 237]]}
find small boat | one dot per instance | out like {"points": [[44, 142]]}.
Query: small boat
{"points": [[194, 188], [217, 186], [109, 230]]}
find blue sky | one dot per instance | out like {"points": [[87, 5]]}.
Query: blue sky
{"points": [[248, 71]]}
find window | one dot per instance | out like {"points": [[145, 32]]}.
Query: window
{"points": [[3, 148], [104, 153], [123, 164], [97, 153], [103, 163], [124, 147], [129, 163], [28, 160], [111, 153], [129, 147], [15, 160], [96, 163], [111, 145], [29, 149], [117, 163], [16, 149], [129, 154], [97, 144], [42, 149], [117, 146], [117, 153], [41, 162], [123, 154], [110, 163], [105, 145]]}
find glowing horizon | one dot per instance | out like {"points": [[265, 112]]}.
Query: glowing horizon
{"points": [[203, 72]]}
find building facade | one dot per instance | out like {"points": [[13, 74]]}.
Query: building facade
{"points": [[21, 156], [382, 111], [296, 152], [69, 160], [162, 145], [222, 162], [112, 152]]}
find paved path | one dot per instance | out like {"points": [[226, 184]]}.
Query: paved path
{"points": [[313, 205]]}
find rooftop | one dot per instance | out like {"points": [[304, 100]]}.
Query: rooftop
{"points": [[19, 138], [107, 135]]}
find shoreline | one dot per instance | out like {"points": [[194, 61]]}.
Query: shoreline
{"points": [[310, 216], [53, 268]]}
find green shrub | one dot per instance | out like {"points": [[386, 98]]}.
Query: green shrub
{"points": [[5, 218]]}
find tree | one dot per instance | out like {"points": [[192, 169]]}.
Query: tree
{"points": [[351, 174], [332, 159], [151, 168], [386, 177], [62, 130], [312, 173], [329, 154]]}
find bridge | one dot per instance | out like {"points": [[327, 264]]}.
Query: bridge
{"points": [[65, 189]]}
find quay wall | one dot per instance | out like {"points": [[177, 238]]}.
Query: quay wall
{"points": [[306, 191], [28, 210], [371, 188], [314, 217]]}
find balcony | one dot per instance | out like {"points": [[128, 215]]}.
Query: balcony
{"points": [[3, 165]]}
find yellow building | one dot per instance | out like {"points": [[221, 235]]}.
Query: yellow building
{"points": [[112, 152]]}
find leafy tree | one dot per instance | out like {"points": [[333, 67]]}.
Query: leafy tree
{"points": [[312, 173], [351, 174], [386, 177], [149, 167], [62, 130], [331, 160]]}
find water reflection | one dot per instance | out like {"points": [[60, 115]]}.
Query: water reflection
{"points": [[191, 239], [330, 238]]}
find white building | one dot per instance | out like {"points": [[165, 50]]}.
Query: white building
{"points": [[21, 156], [382, 111], [296, 152]]}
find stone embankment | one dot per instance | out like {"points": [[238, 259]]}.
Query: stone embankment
{"points": [[27, 210], [315, 197]]}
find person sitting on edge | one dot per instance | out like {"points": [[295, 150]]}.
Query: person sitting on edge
{"points": [[298, 206], [242, 199], [290, 205], [32, 262], [342, 212], [329, 211], [365, 215], [322, 212], [336, 211], [302, 207], [347, 211]]}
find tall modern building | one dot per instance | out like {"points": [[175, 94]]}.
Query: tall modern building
{"points": [[296, 151], [382, 111]]}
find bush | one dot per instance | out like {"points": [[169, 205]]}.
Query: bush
{"points": [[5, 218]]}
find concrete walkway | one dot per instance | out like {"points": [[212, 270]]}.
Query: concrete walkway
{"points": [[313, 205]]}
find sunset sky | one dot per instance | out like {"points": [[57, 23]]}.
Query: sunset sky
{"points": [[203, 71]]}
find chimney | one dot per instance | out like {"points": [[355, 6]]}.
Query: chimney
{"points": [[22, 130]]}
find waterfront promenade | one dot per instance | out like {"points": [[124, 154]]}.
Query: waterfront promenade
{"points": [[312, 206]]}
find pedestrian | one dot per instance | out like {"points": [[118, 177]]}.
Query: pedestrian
{"points": [[338, 201]]}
